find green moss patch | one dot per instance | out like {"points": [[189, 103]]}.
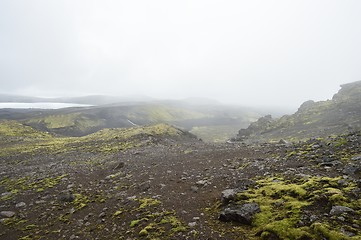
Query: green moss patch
{"points": [[15, 186], [285, 203]]}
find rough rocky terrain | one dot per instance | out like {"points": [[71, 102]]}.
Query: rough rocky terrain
{"points": [[159, 182], [324, 118]]}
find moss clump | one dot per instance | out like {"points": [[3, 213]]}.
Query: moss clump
{"points": [[15, 186], [27, 237], [285, 229], [176, 224], [135, 222], [118, 213], [341, 142], [64, 218], [81, 201], [324, 231], [282, 203], [148, 202], [30, 227], [145, 231]]}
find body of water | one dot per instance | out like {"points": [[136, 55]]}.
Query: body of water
{"points": [[41, 105]]}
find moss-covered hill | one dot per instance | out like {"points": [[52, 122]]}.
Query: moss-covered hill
{"points": [[209, 122], [17, 139], [339, 115]]}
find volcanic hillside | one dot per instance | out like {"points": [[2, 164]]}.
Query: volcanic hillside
{"points": [[340, 115]]}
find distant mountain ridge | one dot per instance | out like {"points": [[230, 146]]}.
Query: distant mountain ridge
{"points": [[339, 115]]}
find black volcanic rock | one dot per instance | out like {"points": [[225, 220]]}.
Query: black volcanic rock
{"points": [[243, 214]]}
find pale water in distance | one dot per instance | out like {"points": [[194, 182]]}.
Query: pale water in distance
{"points": [[41, 105]]}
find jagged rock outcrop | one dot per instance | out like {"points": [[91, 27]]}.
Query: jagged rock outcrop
{"points": [[340, 115], [261, 125]]}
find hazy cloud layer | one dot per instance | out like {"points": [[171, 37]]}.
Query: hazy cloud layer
{"points": [[247, 52]]}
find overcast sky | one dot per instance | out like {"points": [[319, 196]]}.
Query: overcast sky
{"points": [[279, 53]]}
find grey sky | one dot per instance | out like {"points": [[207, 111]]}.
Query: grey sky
{"points": [[248, 52]]}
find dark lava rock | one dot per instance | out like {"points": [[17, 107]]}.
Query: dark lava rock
{"points": [[66, 197], [351, 169], [338, 210], [242, 214]]}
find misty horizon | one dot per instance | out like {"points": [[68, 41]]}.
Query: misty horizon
{"points": [[255, 53]]}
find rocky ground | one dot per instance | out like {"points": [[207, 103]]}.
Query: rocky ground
{"points": [[167, 188]]}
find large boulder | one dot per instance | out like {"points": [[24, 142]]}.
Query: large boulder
{"points": [[242, 214]]}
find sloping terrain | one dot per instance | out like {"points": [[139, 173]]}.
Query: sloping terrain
{"points": [[159, 182], [340, 115], [209, 122]]}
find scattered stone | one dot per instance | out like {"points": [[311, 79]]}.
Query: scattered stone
{"points": [[313, 218], [119, 165], [202, 183], [73, 237], [20, 205], [228, 195], [356, 158], [66, 197], [356, 226], [330, 164], [351, 169], [243, 214], [5, 194], [338, 210], [347, 233], [7, 214], [342, 182], [102, 214], [145, 186], [192, 224], [194, 189], [132, 198], [284, 142]]}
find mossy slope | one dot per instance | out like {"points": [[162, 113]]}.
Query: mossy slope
{"points": [[339, 115]]}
